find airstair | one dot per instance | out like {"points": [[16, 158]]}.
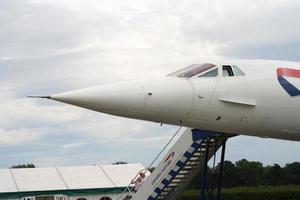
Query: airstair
{"points": [[183, 161]]}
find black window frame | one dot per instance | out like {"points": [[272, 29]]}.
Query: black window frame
{"points": [[229, 70]]}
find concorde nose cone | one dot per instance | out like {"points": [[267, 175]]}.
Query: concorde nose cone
{"points": [[164, 100], [123, 99]]}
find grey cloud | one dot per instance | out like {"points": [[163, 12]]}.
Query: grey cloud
{"points": [[38, 30], [279, 51], [247, 29]]}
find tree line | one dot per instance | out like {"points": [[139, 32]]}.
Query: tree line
{"points": [[244, 173]]}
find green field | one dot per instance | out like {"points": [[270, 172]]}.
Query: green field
{"points": [[289, 192]]}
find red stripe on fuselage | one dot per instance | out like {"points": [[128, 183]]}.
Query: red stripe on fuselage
{"points": [[288, 72]]}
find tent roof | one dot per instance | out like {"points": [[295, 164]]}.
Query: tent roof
{"points": [[64, 178]]}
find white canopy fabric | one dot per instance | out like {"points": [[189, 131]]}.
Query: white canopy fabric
{"points": [[64, 178], [7, 183], [118, 176]]}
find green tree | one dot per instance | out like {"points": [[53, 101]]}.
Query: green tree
{"points": [[246, 173], [120, 163], [249, 173], [230, 178], [28, 165], [275, 175], [293, 173]]}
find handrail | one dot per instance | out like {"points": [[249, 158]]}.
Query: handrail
{"points": [[156, 158], [150, 165]]}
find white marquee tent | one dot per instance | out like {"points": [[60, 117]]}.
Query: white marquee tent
{"points": [[68, 181]]}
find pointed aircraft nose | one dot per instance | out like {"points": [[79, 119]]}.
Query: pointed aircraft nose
{"points": [[123, 99], [165, 100]]}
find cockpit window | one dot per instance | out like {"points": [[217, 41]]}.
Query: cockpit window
{"points": [[192, 70], [233, 70], [227, 70], [211, 73], [237, 71]]}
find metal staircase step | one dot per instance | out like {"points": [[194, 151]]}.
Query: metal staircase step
{"points": [[184, 172], [189, 167], [193, 166], [194, 158], [176, 181], [193, 161], [179, 176]]}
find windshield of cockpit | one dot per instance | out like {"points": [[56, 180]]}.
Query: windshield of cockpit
{"points": [[192, 70]]}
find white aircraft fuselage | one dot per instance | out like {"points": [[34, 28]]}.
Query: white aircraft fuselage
{"points": [[250, 97]]}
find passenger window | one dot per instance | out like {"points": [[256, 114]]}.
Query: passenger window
{"points": [[227, 70], [211, 73], [237, 71]]}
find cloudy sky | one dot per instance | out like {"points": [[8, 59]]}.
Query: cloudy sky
{"points": [[50, 46]]}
